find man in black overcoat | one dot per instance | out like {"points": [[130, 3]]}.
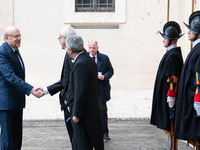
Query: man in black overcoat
{"points": [[187, 121], [82, 97], [105, 72], [166, 84], [61, 85]]}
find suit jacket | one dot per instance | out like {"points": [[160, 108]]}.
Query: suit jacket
{"points": [[12, 80], [104, 66], [62, 83], [82, 96]]}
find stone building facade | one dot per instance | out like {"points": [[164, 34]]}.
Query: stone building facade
{"points": [[129, 36]]}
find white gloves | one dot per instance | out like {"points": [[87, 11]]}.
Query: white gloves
{"points": [[197, 107], [171, 101]]}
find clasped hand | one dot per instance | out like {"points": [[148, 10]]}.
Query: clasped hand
{"points": [[171, 101], [197, 107], [38, 92]]}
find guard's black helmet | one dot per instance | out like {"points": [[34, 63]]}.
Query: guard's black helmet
{"points": [[194, 22], [171, 31]]}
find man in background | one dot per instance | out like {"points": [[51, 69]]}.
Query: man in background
{"points": [[105, 72]]}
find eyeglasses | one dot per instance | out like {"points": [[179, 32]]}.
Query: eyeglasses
{"points": [[60, 38], [15, 36]]}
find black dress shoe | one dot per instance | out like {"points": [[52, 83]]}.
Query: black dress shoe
{"points": [[106, 137]]}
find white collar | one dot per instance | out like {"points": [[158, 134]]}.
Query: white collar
{"points": [[171, 47], [94, 55], [77, 56], [195, 42]]}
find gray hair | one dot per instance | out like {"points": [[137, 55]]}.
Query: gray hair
{"points": [[75, 42], [7, 31], [67, 31]]}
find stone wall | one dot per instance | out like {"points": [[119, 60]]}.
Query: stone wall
{"points": [[134, 47]]}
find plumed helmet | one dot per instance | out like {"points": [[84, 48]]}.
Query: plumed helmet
{"points": [[194, 22], [171, 31]]}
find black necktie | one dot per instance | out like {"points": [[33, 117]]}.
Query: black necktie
{"points": [[17, 52], [19, 57], [93, 58]]}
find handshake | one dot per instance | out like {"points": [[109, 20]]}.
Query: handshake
{"points": [[38, 92]]}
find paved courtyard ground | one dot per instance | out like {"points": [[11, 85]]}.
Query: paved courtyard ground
{"points": [[135, 134]]}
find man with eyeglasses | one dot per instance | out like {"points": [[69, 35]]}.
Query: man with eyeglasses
{"points": [[12, 90], [61, 85], [105, 72]]}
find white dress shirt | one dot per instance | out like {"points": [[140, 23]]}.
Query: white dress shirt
{"points": [[95, 57], [195, 42]]}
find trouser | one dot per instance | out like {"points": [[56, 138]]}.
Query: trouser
{"points": [[104, 116], [68, 124], [173, 140], [87, 134], [80, 137], [11, 129]]}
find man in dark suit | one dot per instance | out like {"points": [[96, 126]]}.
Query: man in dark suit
{"points": [[105, 72], [82, 97], [12, 90], [62, 83]]}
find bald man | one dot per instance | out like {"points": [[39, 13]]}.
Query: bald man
{"points": [[61, 85], [12, 90]]}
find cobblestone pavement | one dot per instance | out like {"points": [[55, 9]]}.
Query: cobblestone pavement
{"points": [[134, 134]]}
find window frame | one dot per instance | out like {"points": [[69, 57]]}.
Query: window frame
{"points": [[117, 17], [95, 6]]}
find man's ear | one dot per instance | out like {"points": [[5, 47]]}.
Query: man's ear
{"points": [[6, 37], [70, 50]]}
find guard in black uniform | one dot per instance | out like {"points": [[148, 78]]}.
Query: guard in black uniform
{"points": [[167, 80], [187, 121]]}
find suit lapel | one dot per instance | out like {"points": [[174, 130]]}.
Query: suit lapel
{"points": [[63, 67], [66, 69], [15, 58], [99, 62]]}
